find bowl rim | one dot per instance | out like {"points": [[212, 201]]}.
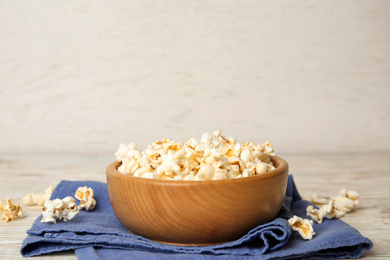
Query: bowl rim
{"points": [[112, 169]]}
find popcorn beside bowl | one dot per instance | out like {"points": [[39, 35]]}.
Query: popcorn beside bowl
{"points": [[196, 212]]}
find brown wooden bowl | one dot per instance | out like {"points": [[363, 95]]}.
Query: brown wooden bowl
{"points": [[196, 212]]}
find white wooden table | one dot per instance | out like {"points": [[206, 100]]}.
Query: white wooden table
{"points": [[368, 174]]}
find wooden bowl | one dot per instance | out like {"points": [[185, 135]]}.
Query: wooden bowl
{"points": [[196, 212]]}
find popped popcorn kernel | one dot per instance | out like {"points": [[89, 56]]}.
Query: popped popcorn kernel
{"points": [[57, 209], [206, 138], [207, 159], [325, 211], [38, 198], [303, 226], [316, 199], [10, 210], [316, 214], [85, 195], [333, 207], [347, 200]]}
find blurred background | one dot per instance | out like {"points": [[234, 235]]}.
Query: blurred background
{"points": [[81, 77]]}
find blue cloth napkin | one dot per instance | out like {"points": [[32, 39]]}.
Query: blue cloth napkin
{"points": [[98, 234]]}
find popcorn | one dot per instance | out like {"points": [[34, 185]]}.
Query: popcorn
{"points": [[38, 199], [206, 159], [207, 171], [85, 195], [206, 139], [316, 199], [347, 200], [123, 150], [58, 209], [334, 207], [325, 211], [10, 210], [303, 226]]}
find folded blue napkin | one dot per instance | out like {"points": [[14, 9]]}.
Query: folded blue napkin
{"points": [[98, 234]]}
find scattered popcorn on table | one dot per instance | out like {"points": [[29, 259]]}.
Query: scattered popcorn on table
{"points": [[85, 195], [303, 226], [315, 199], [202, 160], [334, 207], [347, 200], [10, 210], [58, 209], [38, 199]]}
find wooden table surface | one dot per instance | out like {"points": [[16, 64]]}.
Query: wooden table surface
{"points": [[368, 174]]}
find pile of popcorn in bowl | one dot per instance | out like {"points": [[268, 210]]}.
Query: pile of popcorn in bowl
{"points": [[213, 157]]}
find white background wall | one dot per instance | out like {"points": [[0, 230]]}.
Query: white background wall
{"points": [[84, 76]]}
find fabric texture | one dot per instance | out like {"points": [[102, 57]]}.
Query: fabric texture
{"points": [[98, 234]]}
